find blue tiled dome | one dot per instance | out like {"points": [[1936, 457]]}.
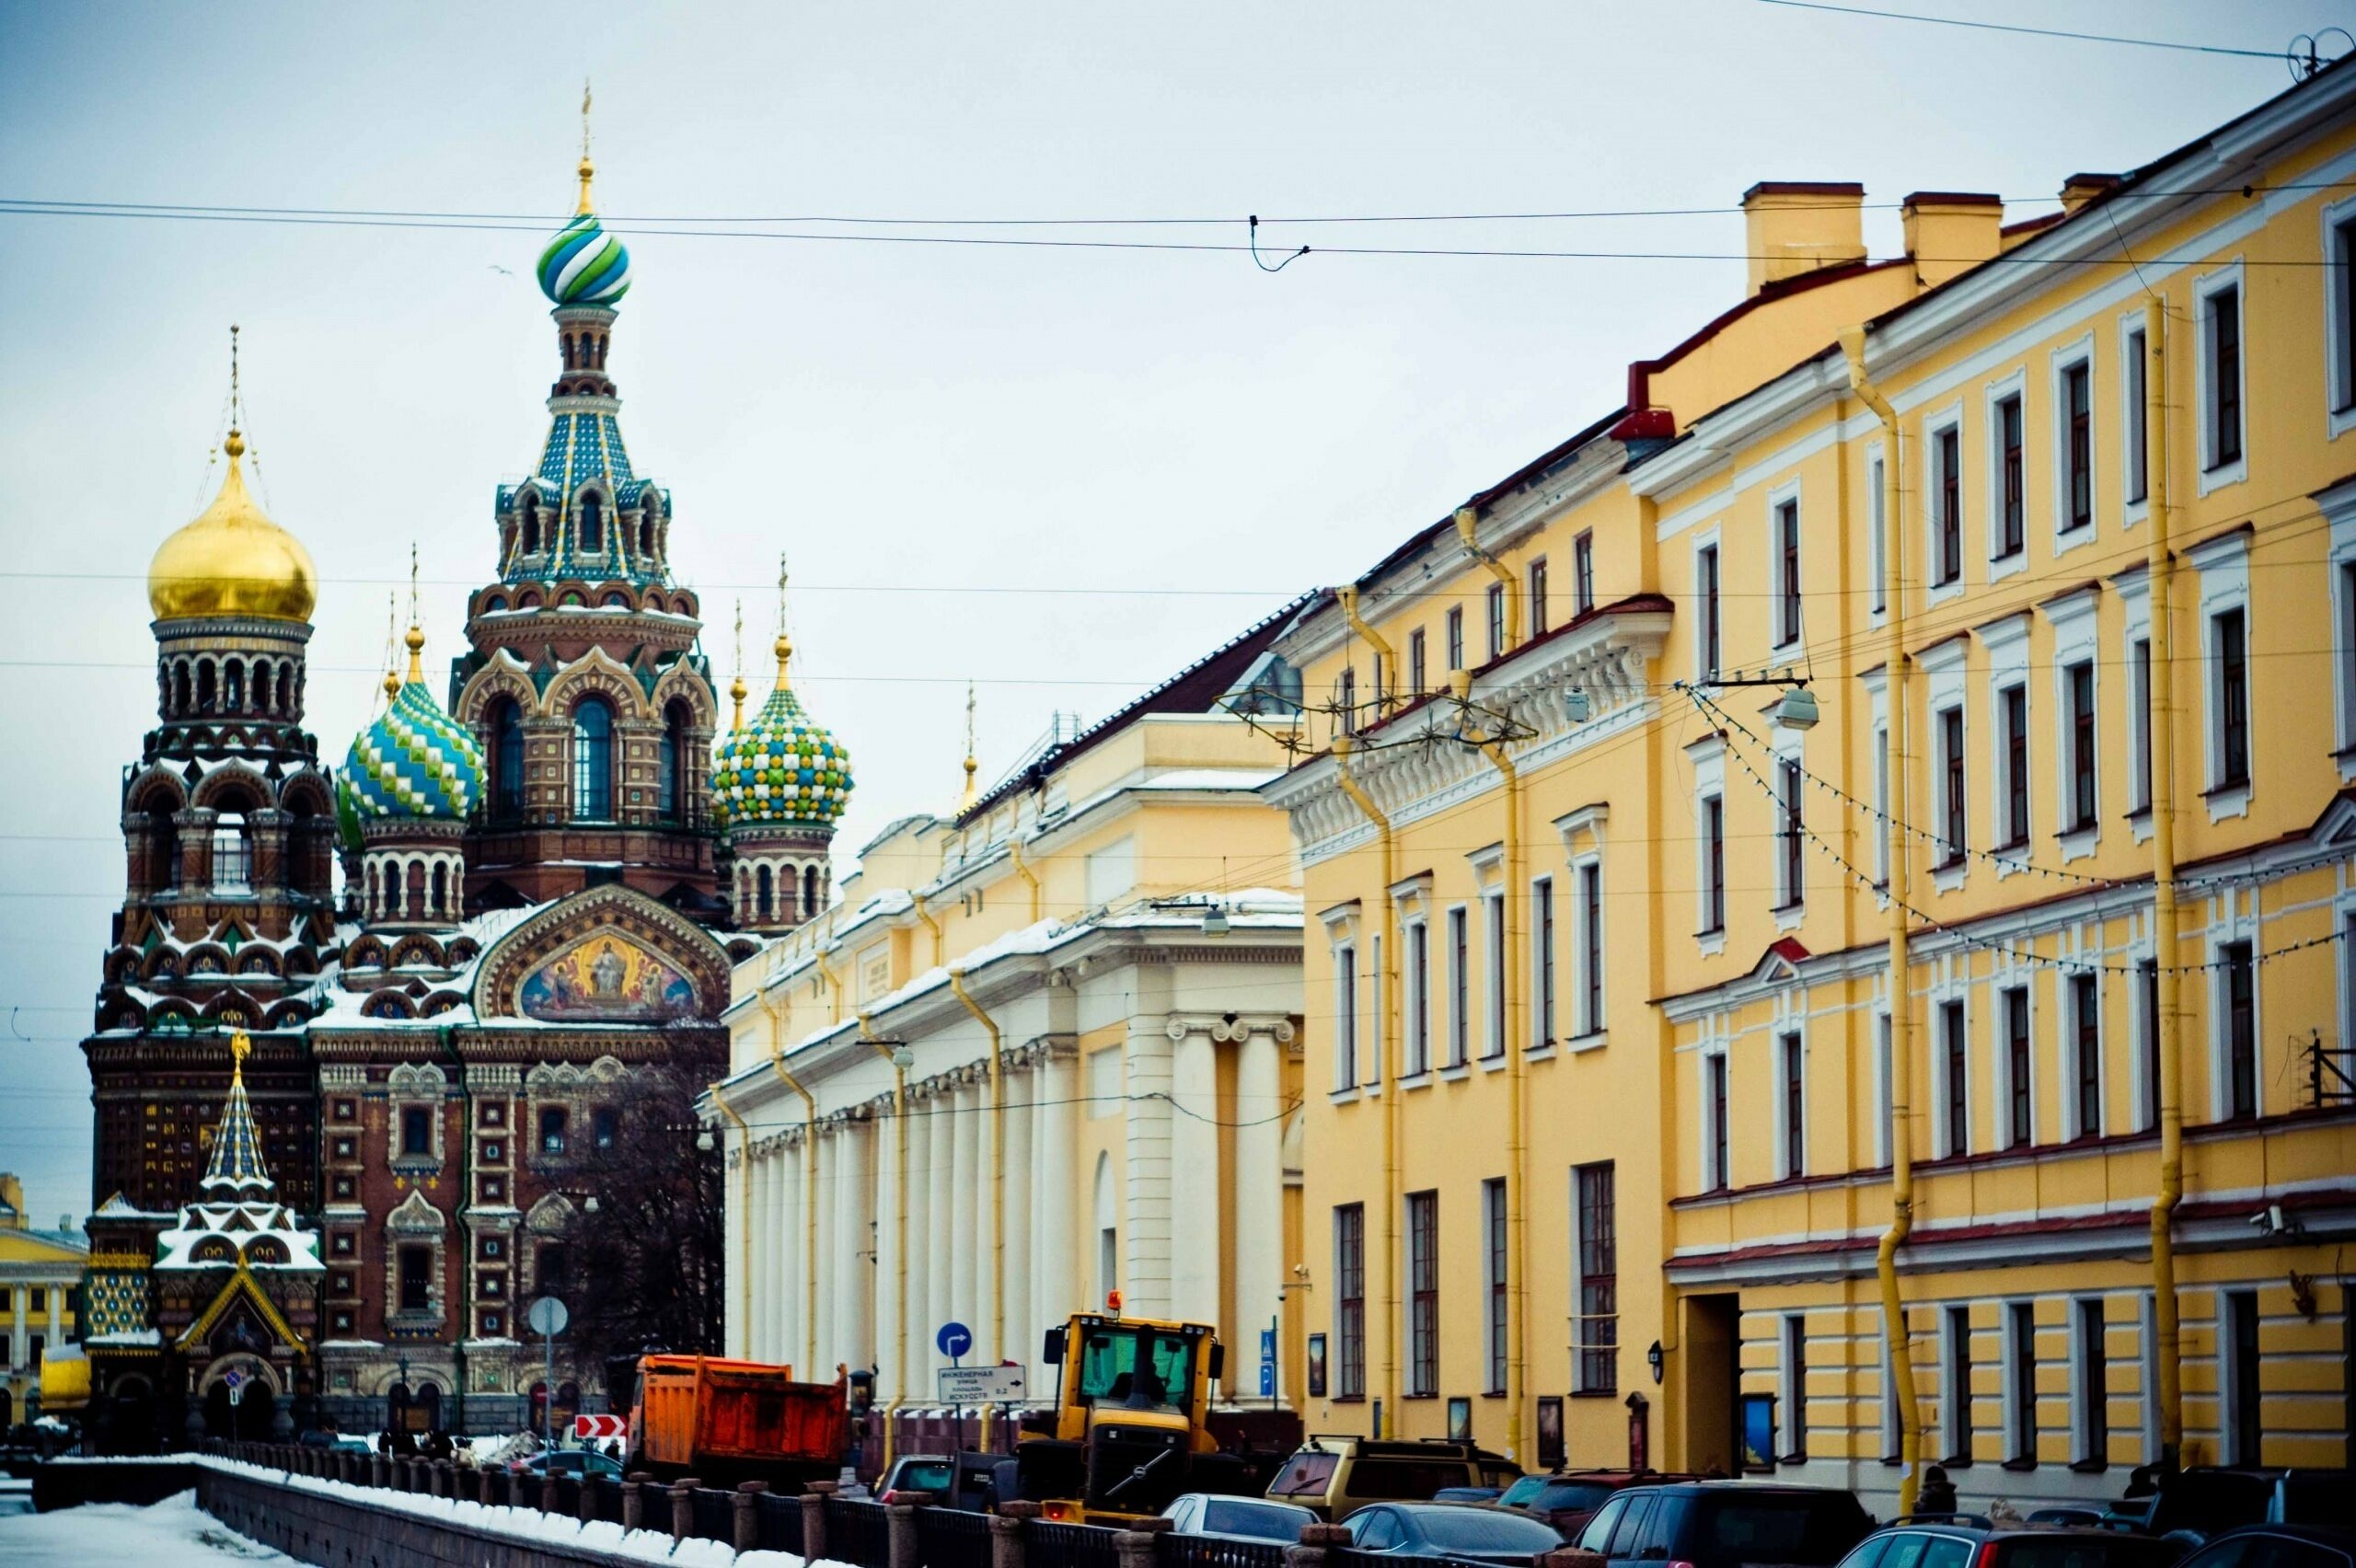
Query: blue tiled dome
{"points": [[584, 265], [415, 760], [780, 768]]}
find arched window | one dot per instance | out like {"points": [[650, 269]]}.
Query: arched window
{"points": [[204, 685], [646, 534], [416, 908], [809, 891], [592, 522], [762, 900], [181, 701], [671, 794], [287, 691], [441, 905], [163, 850], [233, 687], [233, 854], [506, 760], [593, 759], [531, 524]]}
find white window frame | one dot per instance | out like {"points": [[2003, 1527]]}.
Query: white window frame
{"points": [[2133, 437], [1706, 757], [1791, 1376], [1456, 971], [1884, 1113], [2005, 642], [1944, 1138], [1709, 1180], [2135, 616], [2068, 357], [1791, 1032], [2223, 568], [2343, 919], [1890, 1435], [1415, 988], [1378, 1056], [1582, 1327], [1346, 1017], [1954, 1391], [2338, 390], [1708, 539], [2141, 1024], [2076, 639], [1945, 673], [2236, 926], [1878, 699], [2018, 1423], [2338, 505], [2147, 1355], [2206, 287], [2013, 383], [1540, 1037], [1589, 1029], [1493, 975], [1785, 639], [1876, 536], [1791, 906], [1933, 425], [2021, 978], [2066, 988], [2082, 1450]]}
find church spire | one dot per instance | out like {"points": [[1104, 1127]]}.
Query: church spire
{"points": [[973, 764], [588, 169], [235, 1171]]}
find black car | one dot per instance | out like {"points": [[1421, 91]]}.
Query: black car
{"points": [[1970, 1540], [2279, 1546], [1726, 1524], [1463, 1532], [2195, 1505]]}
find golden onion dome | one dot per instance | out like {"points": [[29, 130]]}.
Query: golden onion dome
{"points": [[233, 560]]}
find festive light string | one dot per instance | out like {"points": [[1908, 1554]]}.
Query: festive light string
{"points": [[1989, 944]]}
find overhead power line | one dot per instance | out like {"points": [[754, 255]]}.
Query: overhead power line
{"points": [[2033, 32]]}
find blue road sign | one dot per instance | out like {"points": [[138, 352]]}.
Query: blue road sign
{"points": [[953, 1340], [1267, 1380]]}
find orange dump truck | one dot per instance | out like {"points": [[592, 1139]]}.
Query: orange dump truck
{"points": [[726, 1422]]}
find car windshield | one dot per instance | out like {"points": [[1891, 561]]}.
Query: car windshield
{"points": [[2092, 1549], [1267, 1521], [1485, 1529], [1305, 1474], [1537, 1491], [924, 1475], [1139, 1367]]}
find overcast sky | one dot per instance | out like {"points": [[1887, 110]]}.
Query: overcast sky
{"points": [[1174, 443]]}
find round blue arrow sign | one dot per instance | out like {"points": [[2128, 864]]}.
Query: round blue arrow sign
{"points": [[953, 1340]]}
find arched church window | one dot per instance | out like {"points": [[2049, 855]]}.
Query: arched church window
{"points": [[506, 760], [287, 691], [204, 686], [233, 854], [592, 522], [531, 524], [181, 701], [593, 759], [163, 850], [233, 687], [417, 908], [809, 891], [762, 899], [671, 794], [646, 534], [441, 905]]}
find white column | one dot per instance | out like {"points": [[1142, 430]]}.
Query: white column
{"points": [[1054, 1246], [964, 1238], [1259, 1200], [1022, 1333], [733, 1220], [1193, 1179], [853, 1321], [916, 1350], [56, 1316], [891, 1333], [938, 1243], [761, 1216], [785, 1317], [822, 1337], [1144, 1223]]}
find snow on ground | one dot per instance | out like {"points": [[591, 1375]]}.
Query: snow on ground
{"points": [[172, 1532]]}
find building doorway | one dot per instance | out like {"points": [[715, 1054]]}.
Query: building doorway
{"points": [[1711, 1337]]}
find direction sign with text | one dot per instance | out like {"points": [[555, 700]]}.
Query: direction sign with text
{"points": [[980, 1385]]}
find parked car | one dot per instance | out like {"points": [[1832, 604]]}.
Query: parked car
{"points": [[1970, 1540], [935, 1474], [1468, 1493], [1462, 1532], [1568, 1499], [1334, 1476], [1236, 1518], [2279, 1546], [2195, 1505], [575, 1462], [1726, 1524]]}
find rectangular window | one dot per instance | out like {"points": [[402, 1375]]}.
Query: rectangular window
{"points": [[2078, 454], [2078, 679], [1599, 1259], [2012, 510], [1379, 698], [415, 1278], [1493, 936], [2225, 343], [1418, 675], [417, 1131], [1714, 864], [1423, 1287], [2020, 1438], [1793, 830], [1345, 700], [1591, 949], [1455, 636], [1493, 1222], [1583, 572], [1460, 988], [552, 1129], [1346, 1017], [1796, 1383], [2240, 982], [1953, 1080], [555, 1269], [1497, 619], [1538, 593], [2085, 1051], [2020, 1121], [2094, 1386], [1419, 998], [1541, 959], [1948, 474], [1952, 802], [2242, 1387], [2341, 280], [2139, 670], [1787, 572], [1705, 572], [1959, 1383], [2139, 480], [2012, 703], [1791, 1067], [1349, 1300], [1878, 565], [2230, 633], [2147, 1047], [1716, 1174]]}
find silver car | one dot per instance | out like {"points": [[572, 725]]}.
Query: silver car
{"points": [[1236, 1518]]}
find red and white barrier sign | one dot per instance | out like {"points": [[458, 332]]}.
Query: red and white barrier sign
{"points": [[600, 1426]]}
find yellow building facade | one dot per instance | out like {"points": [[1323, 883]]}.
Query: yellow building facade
{"points": [[40, 1288], [1044, 1046], [1598, 864]]}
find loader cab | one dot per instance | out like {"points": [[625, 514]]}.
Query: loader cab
{"points": [[1132, 1397]]}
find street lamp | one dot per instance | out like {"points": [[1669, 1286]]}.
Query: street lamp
{"points": [[703, 1138]]}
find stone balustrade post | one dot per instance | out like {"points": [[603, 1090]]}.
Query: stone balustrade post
{"points": [[587, 1507], [683, 1507], [634, 1500], [813, 1517], [519, 1484], [1008, 1527], [380, 1470], [901, 1550], [1135, 1544], [548, 1490], [487, 1486], [747, 1522], [1315, 1541]]}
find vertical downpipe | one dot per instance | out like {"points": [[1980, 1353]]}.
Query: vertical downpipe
{"points": [[744, 1228], [1386, 1001], [2160, 721]]}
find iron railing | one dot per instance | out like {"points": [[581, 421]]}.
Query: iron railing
{"points": [[856, 1533]]}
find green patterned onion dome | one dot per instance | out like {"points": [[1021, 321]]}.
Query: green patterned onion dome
{"points": [[584, 265], [781, 767], [415, 760]]}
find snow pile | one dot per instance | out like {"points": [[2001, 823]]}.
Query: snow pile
{"points": [[173, 1532]]}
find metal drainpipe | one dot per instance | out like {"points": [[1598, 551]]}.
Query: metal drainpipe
{"points": [[1516, 1134], [1022, 869], [998, 1179], [1387, 663], [899, 1246], [744, 1206], [809, 1178], [1902, 1009], [442, 1036], [834, 982], [1468, 523], [2160, 722], [1386, 995], [930, 924]]}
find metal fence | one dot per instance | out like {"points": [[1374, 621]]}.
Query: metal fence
{"points": [[1201, 1552], [778, 1520], [947, 1537], [1048, 1545], [856, 1533], [715, 1513]]}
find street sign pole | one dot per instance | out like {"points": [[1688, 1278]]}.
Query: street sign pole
{"points": [[547, 1319]]}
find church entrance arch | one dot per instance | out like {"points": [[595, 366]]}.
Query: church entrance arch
{"points": [[240, 1396]]}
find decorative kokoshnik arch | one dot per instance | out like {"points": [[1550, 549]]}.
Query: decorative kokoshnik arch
{"points": [[606, 954]]}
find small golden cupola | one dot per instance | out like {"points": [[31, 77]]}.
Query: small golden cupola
{"points": [[233, 560]]}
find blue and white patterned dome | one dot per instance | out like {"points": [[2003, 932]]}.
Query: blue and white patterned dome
{"points": [[415, 760], [584, 265], [781, 768]]}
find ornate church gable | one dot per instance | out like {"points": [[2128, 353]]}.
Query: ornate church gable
{"points": [[241, 1317], [604, 955]]}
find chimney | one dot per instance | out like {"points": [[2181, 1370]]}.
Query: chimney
{"points": [[2080, 189], [1791, 226], [1949, 232]]}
